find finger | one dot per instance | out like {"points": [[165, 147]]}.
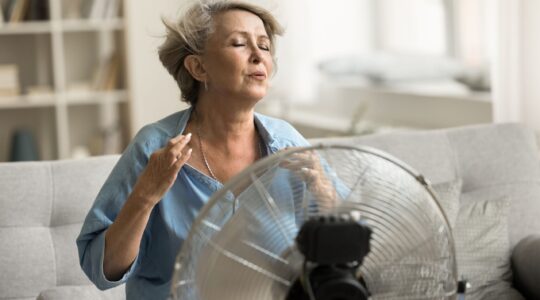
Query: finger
{"points": [[182, 159], [175, 150], [178, 137], [181, 143], [309, 175], [310, 156], [295, 164]]}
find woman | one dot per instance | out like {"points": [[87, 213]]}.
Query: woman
{"points": [[221, 55]]}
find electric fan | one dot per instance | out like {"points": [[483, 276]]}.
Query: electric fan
{"points": [[321, 222]]}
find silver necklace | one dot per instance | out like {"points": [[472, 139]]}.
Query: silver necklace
{"points": [[205, 160]]}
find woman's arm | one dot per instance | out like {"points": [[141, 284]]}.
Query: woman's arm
{"points": [[308, 165], [123, 237]]}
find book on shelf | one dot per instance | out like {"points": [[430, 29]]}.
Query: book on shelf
{"points": [[15, 11], [39, 91], [1, 15], [72, 9], [7, 7], [113, 9], [107, 73], [9, 80], [38, 10], [100, 9], [19, 11]]}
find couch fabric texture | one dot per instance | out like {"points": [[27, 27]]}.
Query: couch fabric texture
{"points": [[42, 207], [43, 204]]}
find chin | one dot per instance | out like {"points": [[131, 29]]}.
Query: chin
{"points": [[256, 96]]}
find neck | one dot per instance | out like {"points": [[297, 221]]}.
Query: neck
{"points": [[223, 121]]}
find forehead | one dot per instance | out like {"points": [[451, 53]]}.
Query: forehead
{"points": [[238, 20]]}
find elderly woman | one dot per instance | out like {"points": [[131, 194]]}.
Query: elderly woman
{"points": [[221, 55]]}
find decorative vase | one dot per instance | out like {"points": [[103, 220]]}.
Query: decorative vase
{"points": [[23, 146]]}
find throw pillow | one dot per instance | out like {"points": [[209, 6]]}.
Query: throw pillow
{"points": [[483, 248], [81, 292], [448, 194]]}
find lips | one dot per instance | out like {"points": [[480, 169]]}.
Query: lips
{"points": [[258, 75]]}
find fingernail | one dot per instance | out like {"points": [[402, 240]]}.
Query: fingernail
{"points": [[188, 136], [189, 151]]}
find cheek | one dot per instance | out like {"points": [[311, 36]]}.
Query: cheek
{"points": [[269, 64], [225, 64], [270, 67]]}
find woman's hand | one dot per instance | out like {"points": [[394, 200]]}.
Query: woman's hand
{"points": [[307, 165], [162, 170]]}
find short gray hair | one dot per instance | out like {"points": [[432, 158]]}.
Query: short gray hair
{"points": [[189, 35]]}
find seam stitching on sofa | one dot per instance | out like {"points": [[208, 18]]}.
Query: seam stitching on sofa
{"points": [[41, 226], [453, 152], [53, 195], [506, 183]]}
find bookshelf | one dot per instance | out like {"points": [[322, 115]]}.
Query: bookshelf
{"points": [[71, 91]]}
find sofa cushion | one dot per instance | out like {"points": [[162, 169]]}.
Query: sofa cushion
{"points": [[482, 245], [26, 261], [81, 292], [70, 177], [524, 207], [448, 194], [495, 155], [497, 159], [68, 271], [26, 197], [42, 207], [427, 152]]}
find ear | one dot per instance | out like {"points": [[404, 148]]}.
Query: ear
{"points": [[193, 63]]}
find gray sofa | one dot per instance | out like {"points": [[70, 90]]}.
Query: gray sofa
{"points": [[43, 204]]}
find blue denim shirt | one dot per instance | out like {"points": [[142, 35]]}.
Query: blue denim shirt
{"points": [[149, 277]]}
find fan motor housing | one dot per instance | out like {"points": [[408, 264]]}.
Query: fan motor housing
{"points": [[335, 246], [329, 240]]}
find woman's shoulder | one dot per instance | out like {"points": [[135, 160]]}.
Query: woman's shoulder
{"points": [[155, 135], [281, 130]]}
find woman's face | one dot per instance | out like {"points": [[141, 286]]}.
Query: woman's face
{"points": [[237, 56]]}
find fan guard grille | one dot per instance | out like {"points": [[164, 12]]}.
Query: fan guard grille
{"points": [[242, 244]]}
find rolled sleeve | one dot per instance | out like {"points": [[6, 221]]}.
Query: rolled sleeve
{"points": [[93, 264]]}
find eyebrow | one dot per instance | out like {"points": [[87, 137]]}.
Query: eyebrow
{"points": [[247, 33]]}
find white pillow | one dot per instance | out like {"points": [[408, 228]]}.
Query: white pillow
{"points": [[483, 249]]}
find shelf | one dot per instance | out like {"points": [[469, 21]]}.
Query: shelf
{"points": [[65, 53], [31, 27], [92, 25], [25, 101], [72, 98], [96, 97], [41, 27]]}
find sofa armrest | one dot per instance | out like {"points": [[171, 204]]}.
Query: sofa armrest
{"points": [[81, 292], [526, 266]]}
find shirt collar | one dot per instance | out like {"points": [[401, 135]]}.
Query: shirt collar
{"points": [[267, 136]]}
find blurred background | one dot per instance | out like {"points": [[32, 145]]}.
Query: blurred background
{"points": [[81, 77]]}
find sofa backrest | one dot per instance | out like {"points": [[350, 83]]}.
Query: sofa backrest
{"points": [[493, 160], [42, 207], [43, 204]]}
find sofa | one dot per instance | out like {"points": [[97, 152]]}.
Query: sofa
{"points": [[43, 205]]}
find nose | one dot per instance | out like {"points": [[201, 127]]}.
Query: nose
{"points": [[255, 59], [256, 55]]}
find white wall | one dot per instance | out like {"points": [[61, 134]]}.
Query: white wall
{"points": [[531, 58], [154, 92], [517, 71], [316, 30]]}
